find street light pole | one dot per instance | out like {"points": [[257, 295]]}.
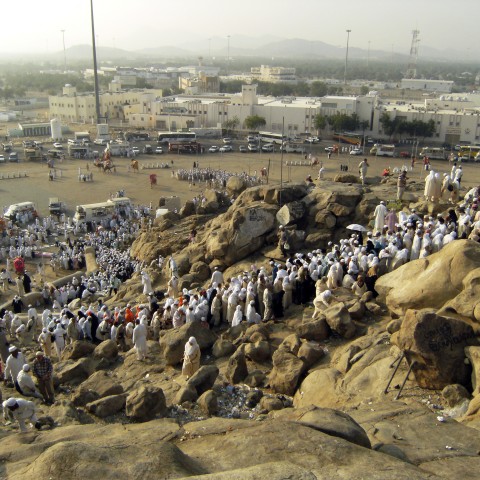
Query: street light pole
{"points": [[64, 52], [346, 59], [228, 55], [95, 74]]}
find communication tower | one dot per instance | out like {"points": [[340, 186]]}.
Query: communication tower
{"points": [[412, 62]]}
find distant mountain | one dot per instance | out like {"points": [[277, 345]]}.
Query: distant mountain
{"points": [[244, 46]]}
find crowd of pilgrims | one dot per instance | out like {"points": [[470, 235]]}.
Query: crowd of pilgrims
{"points": [[258, 295], [213, 178]]}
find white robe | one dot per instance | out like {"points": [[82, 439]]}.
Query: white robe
{"points": [[380, 213], [140, 340]]}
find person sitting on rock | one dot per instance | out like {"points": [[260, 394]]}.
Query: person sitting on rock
{"points": [[359, 287], [321, 303]]}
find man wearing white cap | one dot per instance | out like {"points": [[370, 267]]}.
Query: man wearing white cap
{"points": [[43, 371], [14, 364], [20, 410], [26, 384], [379, 214]]}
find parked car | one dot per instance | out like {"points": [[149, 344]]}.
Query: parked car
{"points": [[330, 149], [2, 158], [252, 147], [13, 157], [135, 150], [268, 147], [227, 140], [58, 146], [242, 149], [405, 154], [226, 148], [252, 139], [213, 149], [356, 151], [312, 140], [158, 150]]}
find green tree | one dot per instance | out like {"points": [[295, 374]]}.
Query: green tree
{"points": [[320, 122], [364, 90], [254, 122], [318, 89], [231, 124]]}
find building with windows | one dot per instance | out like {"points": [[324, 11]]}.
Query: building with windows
{"points": [[75, 107], [438, 86], [266, 73]]}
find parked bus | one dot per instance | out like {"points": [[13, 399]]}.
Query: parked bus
{"points": [[269, 137], [383, 150], [350, 138], [468, 151], [129, 136], [96, 212], [167, 137], [433, 153], [185, 147]]}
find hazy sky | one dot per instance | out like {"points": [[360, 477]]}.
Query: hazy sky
{"points": [[34, 26]]}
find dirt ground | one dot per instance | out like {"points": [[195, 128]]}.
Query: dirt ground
{"points": [[37, 188]]}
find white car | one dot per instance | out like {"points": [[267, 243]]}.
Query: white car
{"points": [[135, 150], [57, 145], [227, 140], [2, 159], [252, 147], [159, 150], [268, 147], [226, 148], [213, 149], [356, 151]]}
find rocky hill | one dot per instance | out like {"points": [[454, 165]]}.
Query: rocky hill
{"points": [[299, 398]]}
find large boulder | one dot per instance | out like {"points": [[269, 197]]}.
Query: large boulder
{"points": [[99, 384], [286, 193], [258, 352], [172, 342], [78, 349], [237, 369], [222, 348], [346, 178], [201, 271], [208, 402], [435, 345], [146, 403], [187, 209], [107, 406], [286, 372], [339, 320], [327, 420], [235, 185], [325, 219], [318, 388], [73, 373], [455, 394], [204, 378], [454, 267], [316, 330], [291, 213], [310, 353], [473, 355], [107, 349]]}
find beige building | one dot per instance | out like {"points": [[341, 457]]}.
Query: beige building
{"points": [[72, 106], [266, 73], [197, 85]]}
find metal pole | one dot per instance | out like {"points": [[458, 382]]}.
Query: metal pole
{"points": [[281, 164], [95, 74], [228, 55], [346, 59], [405, 381], [398, 361], [64, 52]]}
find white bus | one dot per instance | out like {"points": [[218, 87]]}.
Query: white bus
{"points": [[383, 150], [269, 137], [175, 137], [433, 153]]}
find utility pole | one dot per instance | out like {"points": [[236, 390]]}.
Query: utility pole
{"points": [[346, 59], [64, 52], [368, 55], [95, 74], [228, 55]]}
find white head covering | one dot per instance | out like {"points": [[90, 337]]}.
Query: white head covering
{"points": [[191, 346], [237, 316]]}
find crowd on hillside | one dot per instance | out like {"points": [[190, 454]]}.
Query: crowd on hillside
{"points": [[258, 295]]}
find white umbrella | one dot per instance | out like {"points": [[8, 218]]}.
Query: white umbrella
{"points": [[357, 227]]}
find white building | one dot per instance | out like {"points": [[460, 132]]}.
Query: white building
{"points": [[266, 73], [439, 86]]}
